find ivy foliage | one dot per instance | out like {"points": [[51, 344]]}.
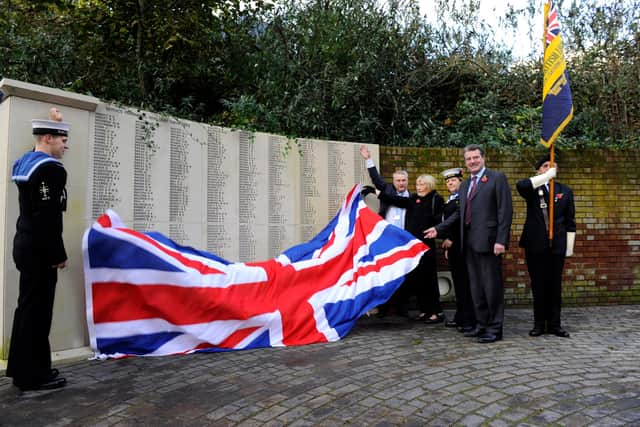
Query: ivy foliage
{"points": [[356, 70]]}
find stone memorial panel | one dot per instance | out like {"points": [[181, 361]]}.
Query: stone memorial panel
{"points": [[220, 165]]}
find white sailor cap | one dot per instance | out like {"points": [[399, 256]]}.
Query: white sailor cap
{"points": [[50, 127], [452, 173]]}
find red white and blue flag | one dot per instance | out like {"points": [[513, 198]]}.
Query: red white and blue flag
{"points": [[148, 296]]}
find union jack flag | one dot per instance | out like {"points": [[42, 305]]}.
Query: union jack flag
{"points": [[148, 296], [553, 25]]}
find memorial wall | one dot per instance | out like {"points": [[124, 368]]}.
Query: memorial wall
{"points": [[241, 195], [244, 196]]}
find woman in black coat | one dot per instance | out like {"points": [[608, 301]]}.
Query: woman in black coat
{"points": [[423, 210]]}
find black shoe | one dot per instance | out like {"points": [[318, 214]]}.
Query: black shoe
{"points": [[53, 374], [464, 329], [439, 319], [48, 385], [475, 332], [489, 338], [559, 332], [536, 332], [420, 317], [451, 324]]}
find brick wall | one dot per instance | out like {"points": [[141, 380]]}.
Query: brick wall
{"points": [[606, 266]]}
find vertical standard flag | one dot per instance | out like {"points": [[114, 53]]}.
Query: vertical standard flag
{"points": [[148, 296], [557, 106]]}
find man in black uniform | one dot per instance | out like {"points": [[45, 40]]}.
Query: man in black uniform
{"points": [[38, 251], [465, 318], [545, 262]]}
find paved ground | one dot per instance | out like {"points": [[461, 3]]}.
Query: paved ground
{"points": [[386, 372]]}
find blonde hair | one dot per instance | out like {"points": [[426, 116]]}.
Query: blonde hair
{"points": [[429, 180]]}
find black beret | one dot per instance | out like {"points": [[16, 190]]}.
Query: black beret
{"points": [[542, 160]]}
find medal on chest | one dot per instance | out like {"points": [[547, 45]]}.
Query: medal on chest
{"points": [[45, 192], [543, 204]]}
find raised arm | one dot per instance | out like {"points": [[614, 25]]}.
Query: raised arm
{"points": [[377, 180]]}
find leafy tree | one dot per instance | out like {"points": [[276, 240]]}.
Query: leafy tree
{"points": [[179, 57], [605, 71], [360, 70]]}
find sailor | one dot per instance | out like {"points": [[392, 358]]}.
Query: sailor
{"points": [[464, 320], [38, 251]]}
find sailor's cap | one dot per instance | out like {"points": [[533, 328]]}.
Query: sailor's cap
{"points": [[452, 173], [50, 127]]}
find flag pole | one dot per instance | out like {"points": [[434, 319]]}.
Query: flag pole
{"points": [[552, 148], [551, 195]]}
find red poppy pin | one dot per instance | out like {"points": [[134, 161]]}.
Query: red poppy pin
{"points": [[484, 179], [559, 196], [418, 201]]}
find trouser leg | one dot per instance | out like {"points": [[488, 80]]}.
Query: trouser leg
{"points": [[554, 292], [429, 296], [30, 354], [491, 272], [485, 277], [536, 265], [465, 313], [476, 288]]}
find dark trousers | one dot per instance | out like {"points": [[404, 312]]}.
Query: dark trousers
{"points": [[487, 291], [545, 271], [423, 283], [29, 361], [465, 313]]}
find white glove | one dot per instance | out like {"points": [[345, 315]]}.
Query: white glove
{"points": [[543, 178], [571, 239]]}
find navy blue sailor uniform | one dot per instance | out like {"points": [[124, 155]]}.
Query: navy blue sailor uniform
{"points": [[465, 316], [37, 248]]}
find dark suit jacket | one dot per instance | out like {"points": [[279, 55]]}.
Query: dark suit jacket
{"points": [[535, 237], [491, 211], [383, 187], [451, 207]]}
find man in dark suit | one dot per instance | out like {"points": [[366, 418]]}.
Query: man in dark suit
{"points": [[485, 222], [545, 260]]}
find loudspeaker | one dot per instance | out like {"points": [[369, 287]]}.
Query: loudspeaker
{"points": [[445, 285]]}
